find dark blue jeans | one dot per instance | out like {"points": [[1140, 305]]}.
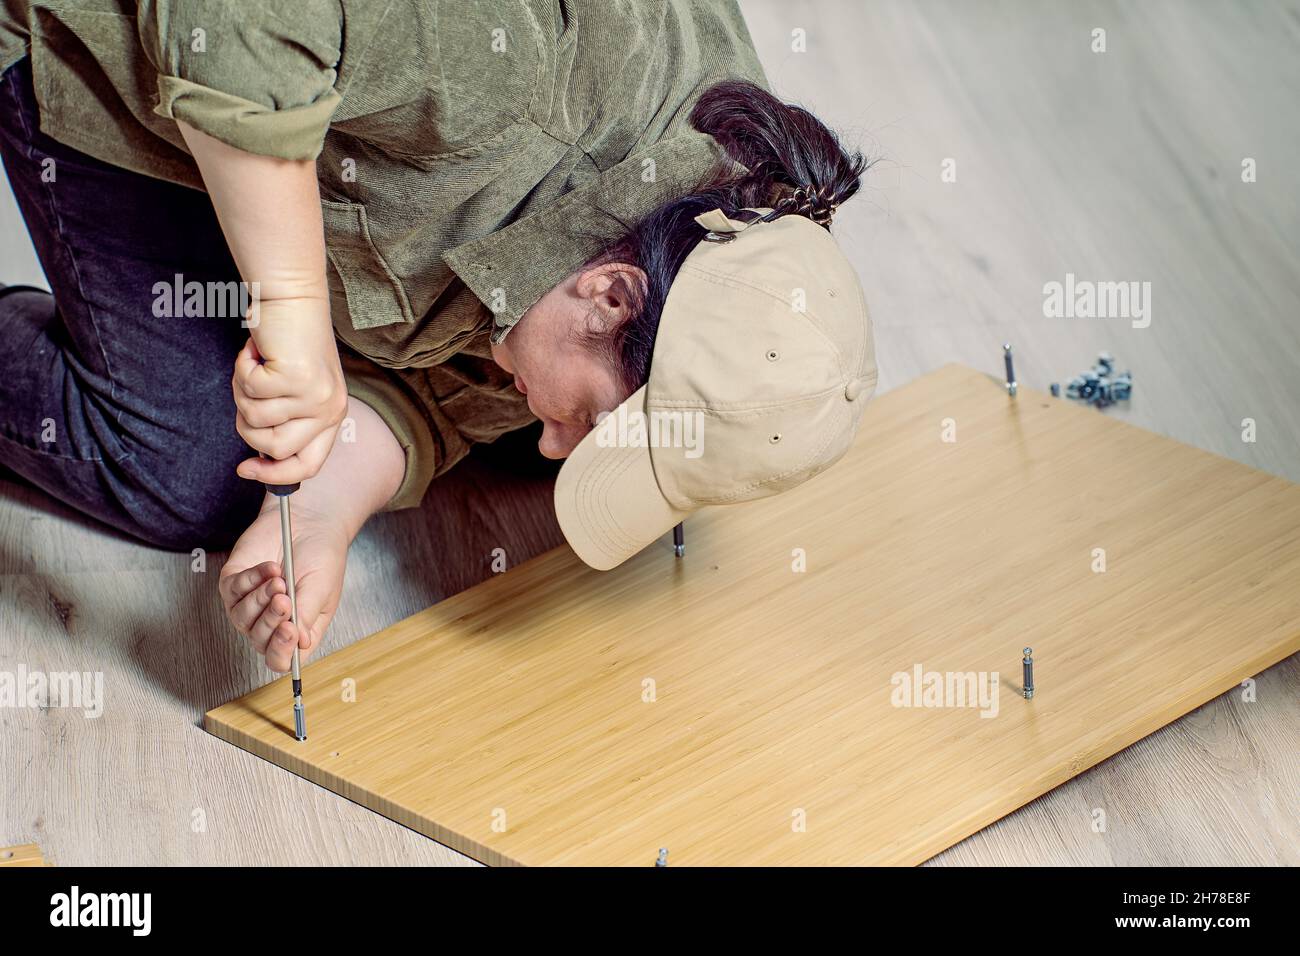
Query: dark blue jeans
{"points": [[120, 413]]}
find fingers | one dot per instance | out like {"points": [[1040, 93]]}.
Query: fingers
{"points": [[275, 613], [250, 374], [295, 467], [253, 378], [279, 650], [269, 412], [282, 441], [257, 604], [289, 408], [267, 400], [317, 599], [249, 351], [263, 615], [272, 635], [248, 611], [259, 379], [235, 586], [316, 605]]}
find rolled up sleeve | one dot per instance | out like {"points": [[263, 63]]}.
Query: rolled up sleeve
{"points": [[257, 76]]}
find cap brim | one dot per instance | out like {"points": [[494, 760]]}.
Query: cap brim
{"points": [[607, 500]]}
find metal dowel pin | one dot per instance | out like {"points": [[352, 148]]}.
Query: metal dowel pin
{"points": [[1027, 665], [679, 541], [1011, 372]]}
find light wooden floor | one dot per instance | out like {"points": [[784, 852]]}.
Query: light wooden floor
{"points": [[1116, 166]]}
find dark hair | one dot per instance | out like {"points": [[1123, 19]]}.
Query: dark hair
{"points": [[794, 164]]}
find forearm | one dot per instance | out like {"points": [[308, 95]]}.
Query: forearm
{"points": [[360, 476], [288, 387], [269, 210]]}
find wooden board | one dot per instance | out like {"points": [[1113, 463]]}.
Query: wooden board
{"points": [[511, 721], [29, 854]]}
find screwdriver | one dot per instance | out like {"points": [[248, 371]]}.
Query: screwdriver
{"points": [[282, 492]]}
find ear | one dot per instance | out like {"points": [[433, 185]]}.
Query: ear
{"points": [[614, 291]]}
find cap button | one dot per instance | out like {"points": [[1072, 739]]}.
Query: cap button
{"points": [[853, 389]]}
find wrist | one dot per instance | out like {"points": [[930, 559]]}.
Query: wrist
{"points": [[280, 306], [307, 291]]}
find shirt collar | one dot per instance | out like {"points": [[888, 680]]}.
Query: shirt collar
{"points": [[510, 269]]}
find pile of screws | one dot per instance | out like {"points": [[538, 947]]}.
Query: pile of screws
{"points": [[1099, 386]]}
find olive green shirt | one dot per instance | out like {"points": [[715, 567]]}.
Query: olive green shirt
{"points": [[470, 155]]}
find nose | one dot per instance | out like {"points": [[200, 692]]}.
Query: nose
{"points": [[501, 355], [558, 441]]}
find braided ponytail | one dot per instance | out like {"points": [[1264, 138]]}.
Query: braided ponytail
{"points": [[793, 164], [792, 158]]}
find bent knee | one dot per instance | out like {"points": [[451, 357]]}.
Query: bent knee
{"points": [[195, 499]]}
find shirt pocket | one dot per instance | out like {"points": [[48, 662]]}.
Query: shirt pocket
{"points": [[373, 293]]}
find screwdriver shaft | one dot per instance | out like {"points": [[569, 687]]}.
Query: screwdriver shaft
{"points": [[286, 537]]}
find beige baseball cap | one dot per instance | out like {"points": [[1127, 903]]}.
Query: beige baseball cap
{"points": [[762, 366]]}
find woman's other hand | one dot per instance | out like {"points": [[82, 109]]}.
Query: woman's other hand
{"points": [[358, 479], [256, 596]]}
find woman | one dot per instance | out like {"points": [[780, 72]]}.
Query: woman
{"points": [[453, 219]]}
